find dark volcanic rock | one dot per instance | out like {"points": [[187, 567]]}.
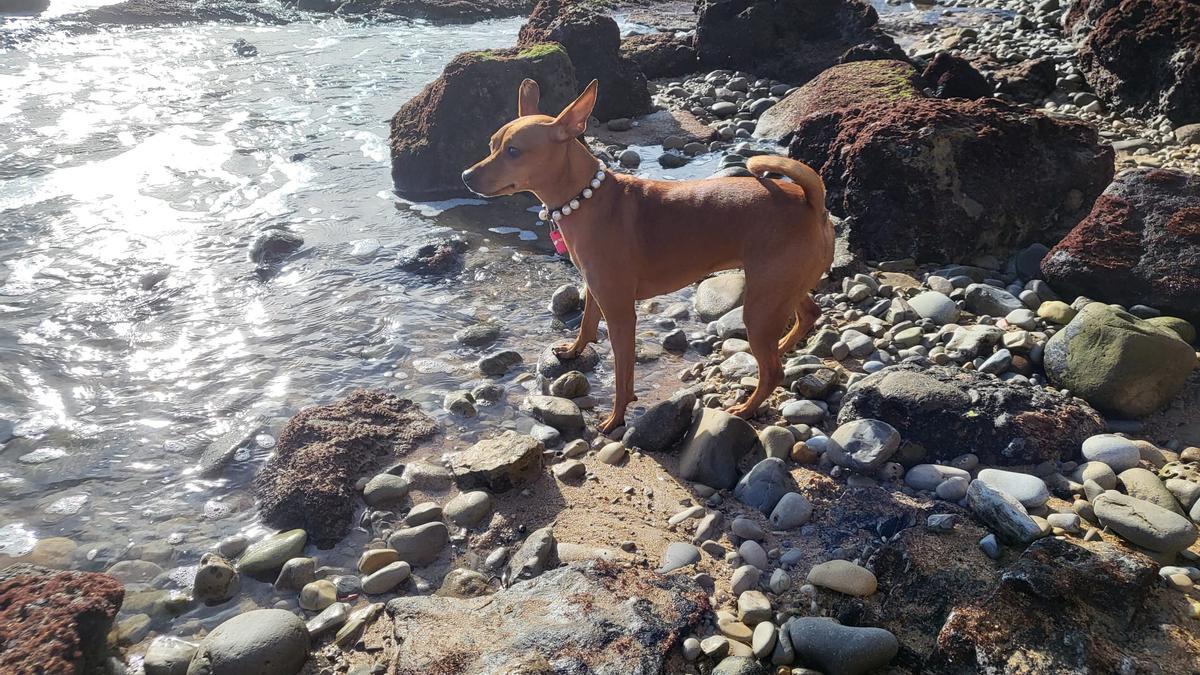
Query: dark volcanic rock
{"points": [[948, 180], [309, 481], [850, 85], [159, 12], [1143, 57], [661, 54], [1066, 606], [593, 618], [951, 76], [445, 128], [439, 10], [593, 41], [789, 40], [1139, 245], [441, 257], [55, 622], [1028, 81], [933, 408], [1081, 16]]}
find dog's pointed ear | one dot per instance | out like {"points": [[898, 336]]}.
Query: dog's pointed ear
{"points": [[528, 95], [572, 121]]}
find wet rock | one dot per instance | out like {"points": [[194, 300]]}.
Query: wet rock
{"points": [[56, 621], [216, 581], [922, 139], [949, 76], [1143, 57], [536, 555], [850, 84], [550, 366], [1124, 366], [718, 295], [593, 42], [264, 641], [478, 335], [565, 616], [712, 447], [420, 545], [764, 485], [317, 595], [433, 259], [660, 54], [498, 464], [662, 425], [243, 48], [1059, 595], [295, 574], [572, 385], [863, 444], [273, 246], [1139, 245], [323, 451], [269, 554], [1002, 513], [498, 363], [841, 650], [168, 656], [446, 127], [1006, 425], [792, 41], [1143, 523]]}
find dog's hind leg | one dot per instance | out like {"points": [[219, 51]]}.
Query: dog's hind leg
{"points": [[807, 312], [766, 315]]}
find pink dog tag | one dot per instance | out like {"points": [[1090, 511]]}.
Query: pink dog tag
{"points": [[560, 244]]}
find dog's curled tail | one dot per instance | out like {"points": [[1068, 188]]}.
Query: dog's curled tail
{"points": [[800, 173]]}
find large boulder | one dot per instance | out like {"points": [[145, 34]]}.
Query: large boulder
{"points": [[593, 41], [579, 617], [1139, 245], [949, 180], [661, 54], [713, 446], [1143, 57], [1123, 366], [849, 85], [55, 622], [947, 411], [789, 40], [1066, 606], [950, 76], [261, 641], [498, 464], [1081, 16], [324, 450], [446, 127]]}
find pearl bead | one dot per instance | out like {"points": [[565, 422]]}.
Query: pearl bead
{"points": [[574, 204], [595, 182], [587, 194], [566, 210], [600, 175], [544, 214], [557, 216]]}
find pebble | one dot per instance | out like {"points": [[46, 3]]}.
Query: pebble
{"points": [[678, 555], [1145, 485], [261, 641], [168, 656], [863, 445], [792, 511], [216, 581], [990, 546], [420, 545], [376, 559], [295, 573], [271, 553], [747, 529], [753, 554], [776, 441], [425, 512], [1002, 513], [953, 489], [764, 485], [835, 649], [744, 578], [385, 488], [318, 595], [715, 646], [569, 470], [1031, 491], [691, 648], [329, 618], [843, 576], [801, 411], [1101, 473], [753, 608], [762, 643], [612, 453], [386, 578], [929, 476], [1143, 523]]}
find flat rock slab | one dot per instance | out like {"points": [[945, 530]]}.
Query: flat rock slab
{"points": [[498, 464], [322, 452], [577, 617]]}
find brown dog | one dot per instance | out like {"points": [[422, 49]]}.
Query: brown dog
{"points": [[635, 239]]}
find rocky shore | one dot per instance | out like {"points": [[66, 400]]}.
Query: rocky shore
{"points": [[985, 457]]}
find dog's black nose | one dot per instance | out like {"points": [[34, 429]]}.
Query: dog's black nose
{"points": [[466, 177]]}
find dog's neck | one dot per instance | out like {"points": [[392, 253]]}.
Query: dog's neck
{"points": [[576, 173]]}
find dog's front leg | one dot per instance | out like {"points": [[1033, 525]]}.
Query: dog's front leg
{"points": [[622, 322], [588, 329]]}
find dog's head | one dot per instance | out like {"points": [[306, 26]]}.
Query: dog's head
{"points": [[530, 149]]}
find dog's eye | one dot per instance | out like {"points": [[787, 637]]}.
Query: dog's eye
{"points": [[513, 151]]}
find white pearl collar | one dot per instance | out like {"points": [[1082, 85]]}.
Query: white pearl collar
{"points": [[570, 207]]}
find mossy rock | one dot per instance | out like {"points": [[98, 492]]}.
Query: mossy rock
{"points": [[1125, 367], [849, 85], [445, 128], [1185, 330]]}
